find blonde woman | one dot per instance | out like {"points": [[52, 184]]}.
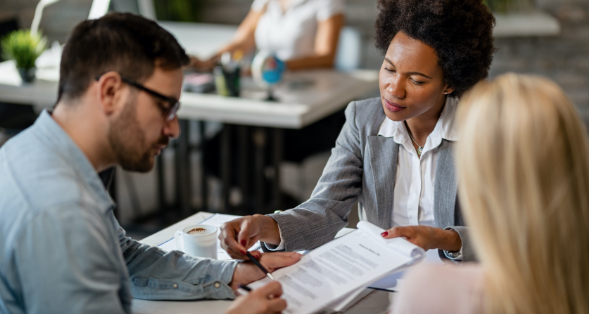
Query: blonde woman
{"points": [[523, 169]]}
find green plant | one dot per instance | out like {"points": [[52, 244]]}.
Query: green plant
{"points": [[23, 47], [179, 10]]}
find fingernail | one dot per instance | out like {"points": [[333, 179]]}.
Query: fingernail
{"points": [[243, 252], [243, 242], [384, 234]]}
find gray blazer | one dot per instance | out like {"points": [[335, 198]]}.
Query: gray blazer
{"points": [[362, 167]]}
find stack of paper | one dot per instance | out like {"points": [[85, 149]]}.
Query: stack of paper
{"points": [[332, 275]]}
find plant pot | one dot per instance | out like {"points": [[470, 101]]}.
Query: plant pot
{"points": [[27, 75]]}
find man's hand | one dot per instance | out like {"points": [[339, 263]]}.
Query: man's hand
{"points": [[427, 237], [264, 300], [247, 272], [240, 234]]}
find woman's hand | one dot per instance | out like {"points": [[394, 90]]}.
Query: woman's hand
{"points": [[263, 300], [247, 272], [427, 237], [238, 235], [198, 64]]}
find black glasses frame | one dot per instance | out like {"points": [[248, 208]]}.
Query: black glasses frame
{"points": [[169, 112]]}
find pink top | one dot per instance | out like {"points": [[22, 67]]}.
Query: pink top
{"points": [[432, 288]]}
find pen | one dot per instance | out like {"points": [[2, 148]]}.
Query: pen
{"points": [[255, 261], [244, 289]]}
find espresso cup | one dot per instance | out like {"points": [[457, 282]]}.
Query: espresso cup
{"points": [[198, 240]]}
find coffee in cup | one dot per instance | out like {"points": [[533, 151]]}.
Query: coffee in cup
{"points": [[198, 230]]}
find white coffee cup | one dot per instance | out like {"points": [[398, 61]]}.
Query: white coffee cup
{"points": [[198, 240]]}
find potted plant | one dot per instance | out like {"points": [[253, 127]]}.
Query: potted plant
{"points": [[24, 48]]}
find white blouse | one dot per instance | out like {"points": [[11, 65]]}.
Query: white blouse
{"points": [[291, 34], [414, 183]]}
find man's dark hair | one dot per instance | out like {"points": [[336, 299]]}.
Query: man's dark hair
{"points": [[461, 32], [128, 44]]}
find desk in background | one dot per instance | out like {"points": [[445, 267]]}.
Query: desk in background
{"points": [[325, 92]]}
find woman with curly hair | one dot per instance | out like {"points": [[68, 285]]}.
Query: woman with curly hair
{"points": [[523, 169], [394, 154]]}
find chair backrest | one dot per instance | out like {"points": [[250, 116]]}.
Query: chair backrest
{"points": [[349, 49]]}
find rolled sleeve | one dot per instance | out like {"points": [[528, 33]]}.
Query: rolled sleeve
{"points": [[206, 279], [159, 275]]}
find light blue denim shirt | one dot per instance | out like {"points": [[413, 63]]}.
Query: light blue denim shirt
{"points": [[63, 251]]}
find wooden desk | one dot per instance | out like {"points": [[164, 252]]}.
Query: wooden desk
{"points": [[375, 303]]}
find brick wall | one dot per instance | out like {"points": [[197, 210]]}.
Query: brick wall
{"points": [[563, 58]]}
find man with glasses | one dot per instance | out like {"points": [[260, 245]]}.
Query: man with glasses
{"points": [[61, 248]]}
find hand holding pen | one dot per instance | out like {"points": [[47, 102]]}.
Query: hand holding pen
{"points": [[265, 299], [255, 261], [247, 272]]}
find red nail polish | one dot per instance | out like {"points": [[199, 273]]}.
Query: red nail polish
{"points": [[243, 242], [243, 252], [384, 234]]}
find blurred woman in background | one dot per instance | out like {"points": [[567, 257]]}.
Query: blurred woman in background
{"points": [[523, 169], [304, 33]]}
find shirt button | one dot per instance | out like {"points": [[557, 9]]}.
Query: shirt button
{"points": [[175, 286], [217, 285]]}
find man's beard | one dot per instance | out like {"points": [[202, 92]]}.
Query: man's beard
{"points": [[128, 143]]}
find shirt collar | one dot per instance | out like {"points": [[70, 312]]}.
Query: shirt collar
{"points": [[445, 127], [62, 143]]}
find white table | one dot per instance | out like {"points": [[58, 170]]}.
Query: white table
{"points": [[375, 303], [327, 92]]}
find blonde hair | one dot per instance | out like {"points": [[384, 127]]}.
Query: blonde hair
{"points": [[523, 169]]}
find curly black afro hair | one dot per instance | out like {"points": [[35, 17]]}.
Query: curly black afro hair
{"points": [[461, 32]]}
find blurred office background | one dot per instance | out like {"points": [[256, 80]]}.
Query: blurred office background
{"points": [[563, 57], [546, 37]]}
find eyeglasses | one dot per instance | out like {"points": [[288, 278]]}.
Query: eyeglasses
{"points": [[168, 112]]}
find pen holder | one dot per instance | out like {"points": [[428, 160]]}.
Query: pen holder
{"points": [[227, 81]]}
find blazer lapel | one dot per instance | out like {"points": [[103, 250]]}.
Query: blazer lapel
{"points": [[445, 187], [383, 152]]}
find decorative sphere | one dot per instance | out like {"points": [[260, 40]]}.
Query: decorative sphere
{"points": [[267, 69]]}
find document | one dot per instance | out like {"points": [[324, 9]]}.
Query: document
{"points": [[394, 282], [336, 270]]}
